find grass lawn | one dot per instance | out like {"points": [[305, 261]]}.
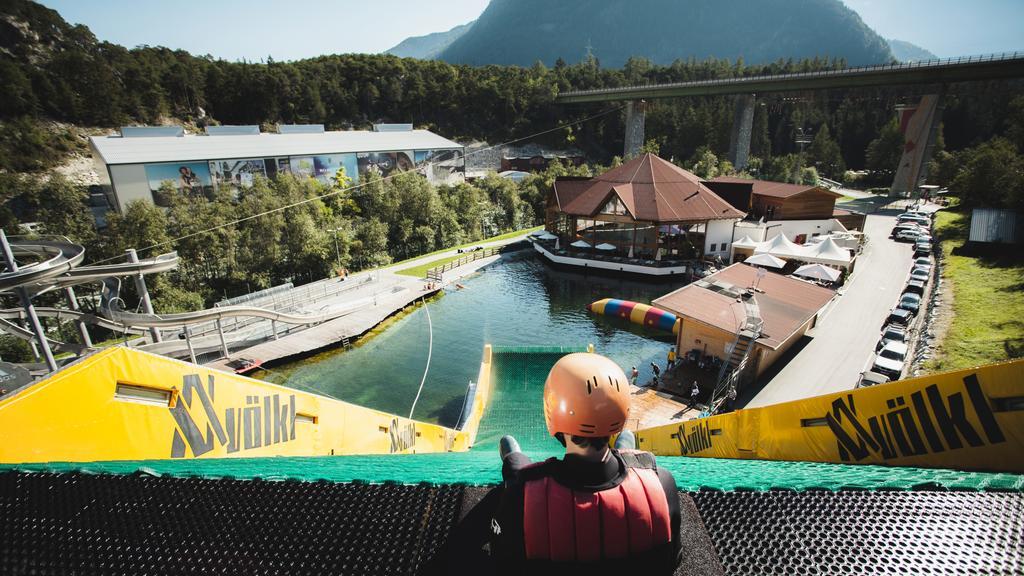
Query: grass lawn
{"points": [[988, 300], [421, 270]]}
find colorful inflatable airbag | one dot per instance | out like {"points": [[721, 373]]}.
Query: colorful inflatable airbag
{"points": [[637, 313]]}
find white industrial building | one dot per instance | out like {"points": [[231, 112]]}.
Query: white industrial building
{"points": [[144, 163]]}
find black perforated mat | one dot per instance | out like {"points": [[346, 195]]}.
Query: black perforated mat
{"points": [[866, 532], [107, 524]]}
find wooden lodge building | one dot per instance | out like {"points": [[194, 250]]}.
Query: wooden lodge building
{"points": [[646, 216], [778, 201]]}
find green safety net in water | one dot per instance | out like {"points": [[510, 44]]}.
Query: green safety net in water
{"points": [[515, 408]]}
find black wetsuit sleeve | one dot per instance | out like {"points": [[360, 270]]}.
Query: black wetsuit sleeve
{"points": [[668, 483]]}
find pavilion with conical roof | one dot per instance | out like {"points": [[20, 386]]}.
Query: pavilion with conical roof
{"points": [[646, 209]]}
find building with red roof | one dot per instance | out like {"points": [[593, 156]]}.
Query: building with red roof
{"points": [[647, 209]]}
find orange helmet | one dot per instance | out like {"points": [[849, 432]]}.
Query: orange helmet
{"points": [[586, 395]]}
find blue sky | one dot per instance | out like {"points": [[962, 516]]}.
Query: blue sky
{"points": [[255, 29]]}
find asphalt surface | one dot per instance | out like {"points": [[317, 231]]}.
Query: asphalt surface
{"points": [[845, 338]]}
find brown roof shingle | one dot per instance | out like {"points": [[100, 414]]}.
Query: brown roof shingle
{"points": [[652, 189], [774, 189], [785, 303]]}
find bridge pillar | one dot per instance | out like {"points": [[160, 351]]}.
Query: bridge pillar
{"points": [[26, 302], [920, 126], [636, 114], [140, 287], [742, 128]]}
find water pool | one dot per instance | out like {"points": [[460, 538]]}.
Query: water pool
{"points": [[517, 301]]}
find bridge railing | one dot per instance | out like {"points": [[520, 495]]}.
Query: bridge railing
{"points": [[935, 63]]}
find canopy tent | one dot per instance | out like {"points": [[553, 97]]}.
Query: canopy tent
{"points": [[818, 272], [746, 242], [766, 260], [546, 236], [827, 252], [580, 244], [605, 246], [780, 246]]}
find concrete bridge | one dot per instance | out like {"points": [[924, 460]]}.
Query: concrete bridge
{"points": [[919, 123]]}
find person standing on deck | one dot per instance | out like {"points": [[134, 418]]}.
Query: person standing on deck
{"points": [[633, 376]]}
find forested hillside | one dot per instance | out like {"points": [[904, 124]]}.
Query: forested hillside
{"points": [[522, 32]]}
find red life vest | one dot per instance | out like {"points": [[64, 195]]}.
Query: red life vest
{"points": [[564, 525]]}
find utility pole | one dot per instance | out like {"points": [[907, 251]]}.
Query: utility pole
{"points": [[26, 302]]}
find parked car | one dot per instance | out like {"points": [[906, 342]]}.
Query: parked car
{"points": [[899, 316], [892, 333], [889, 361], [870, 378], [923, 261], [908, 235], [916, 287], [907, 226], [922, 248], [910, 302], [920, 274], [916, 218]]}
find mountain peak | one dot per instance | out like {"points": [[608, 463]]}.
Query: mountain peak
{"points": [[520, 32]]}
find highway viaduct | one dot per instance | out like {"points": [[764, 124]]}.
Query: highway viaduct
{"points": [[919, 122]]}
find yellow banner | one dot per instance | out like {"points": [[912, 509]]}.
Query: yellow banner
{"points": [[124, 404], [968, 419]]}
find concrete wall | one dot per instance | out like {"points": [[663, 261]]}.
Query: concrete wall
{"points": [[129, 182], [719, 233], [769, 356]]}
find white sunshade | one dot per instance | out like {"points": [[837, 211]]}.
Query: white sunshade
{"points": [[766, 260], [546, 236], [605, 246], [580, 244], [817, 272]]}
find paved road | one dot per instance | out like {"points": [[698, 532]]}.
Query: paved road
{"points": [[845, 338]]}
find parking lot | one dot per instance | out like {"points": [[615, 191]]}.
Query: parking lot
{"points": [[844, 341]]}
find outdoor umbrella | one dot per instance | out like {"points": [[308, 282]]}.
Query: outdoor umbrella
{"points": [[605, 246], [766, 260], [580, 244], [818, 272], [547, 236]]}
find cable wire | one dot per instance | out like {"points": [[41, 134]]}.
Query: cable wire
{"points": [[430, 351]]}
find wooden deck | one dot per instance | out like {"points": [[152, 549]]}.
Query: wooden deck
{"points": [[329, 333], [653, 408]]}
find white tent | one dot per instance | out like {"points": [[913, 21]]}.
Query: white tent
{"points": [[766, 260], [580, 244], [746, 242], [605, 246], [780, 246], [818, 272], [828, 252]]}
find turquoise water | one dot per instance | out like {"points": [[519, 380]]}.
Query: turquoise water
{"points": [[517, 301]]}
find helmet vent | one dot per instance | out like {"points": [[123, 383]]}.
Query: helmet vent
{"points": [[614, 382]]}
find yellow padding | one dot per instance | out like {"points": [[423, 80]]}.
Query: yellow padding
{"points": [[81, 414], [967, 419]]}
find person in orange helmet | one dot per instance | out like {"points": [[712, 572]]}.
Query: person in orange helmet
{"points": [[598, 508]]}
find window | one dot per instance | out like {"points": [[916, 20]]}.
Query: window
{"points": [[725, 246], [614, 206], [713, 248], [769, 212]]}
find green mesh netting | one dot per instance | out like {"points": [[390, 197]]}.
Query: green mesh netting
{"points": [[515, 408]]}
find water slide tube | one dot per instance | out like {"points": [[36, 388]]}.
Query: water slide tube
{"points": [[637, 313]]}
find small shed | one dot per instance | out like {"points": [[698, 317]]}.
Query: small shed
{"points": [[995, 225]]}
